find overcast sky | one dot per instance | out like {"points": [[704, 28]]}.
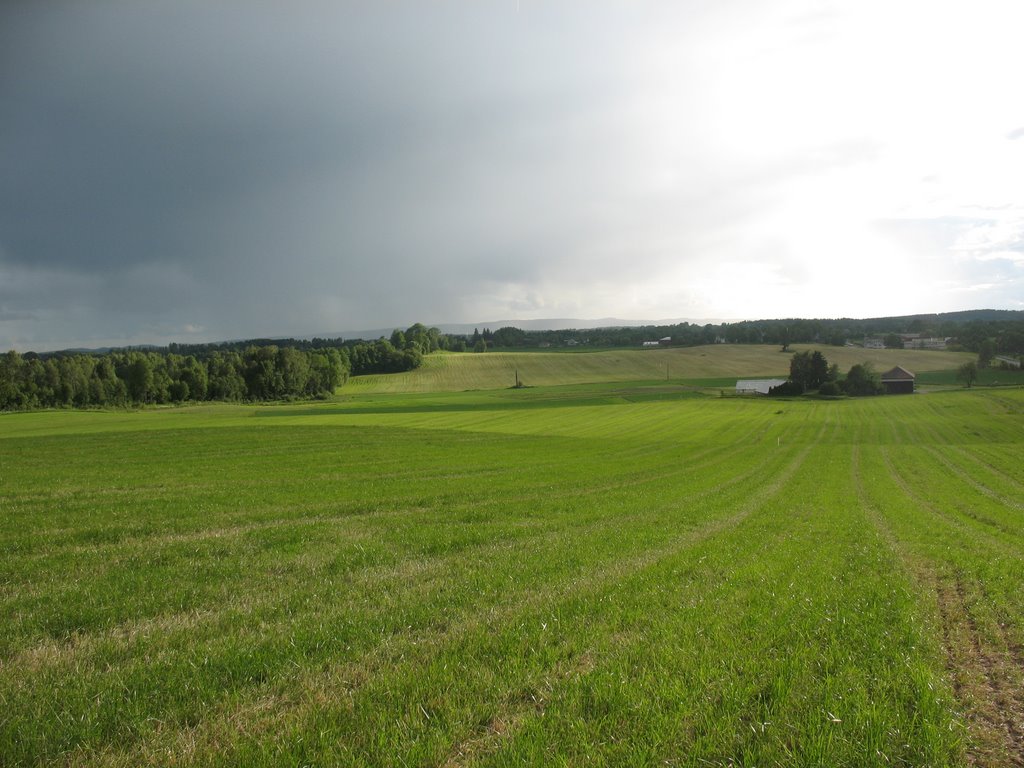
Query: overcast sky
{"points": [[193, 170]]}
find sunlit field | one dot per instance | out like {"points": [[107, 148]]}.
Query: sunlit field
{"points": [[701, 365], [602, 574]]}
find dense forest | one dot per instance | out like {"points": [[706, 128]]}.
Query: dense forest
{"points": [[137, 377], [255, 370]]}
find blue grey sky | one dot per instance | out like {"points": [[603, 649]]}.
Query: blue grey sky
{"points": [[193, 171]]}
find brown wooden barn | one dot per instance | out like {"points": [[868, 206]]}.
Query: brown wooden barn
{"points": [[898, 381]]}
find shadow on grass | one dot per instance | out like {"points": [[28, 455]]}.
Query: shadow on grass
{"points": [[611, 398]]}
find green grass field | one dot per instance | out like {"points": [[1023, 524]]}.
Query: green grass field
{"points": [[714, 366], [607, 574], [987, 377]]}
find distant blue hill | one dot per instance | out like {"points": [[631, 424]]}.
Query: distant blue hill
{"points": [[561, 324]]}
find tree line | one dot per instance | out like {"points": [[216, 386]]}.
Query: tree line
{"points": [[418, 336], [1001, 331], [257, 370], [136, 377]]}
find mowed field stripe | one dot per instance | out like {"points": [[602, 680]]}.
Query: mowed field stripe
{"points": [[348, 679], [189, 621], [984, 662], [739, 582], [963, 513], [697, 468], [630, 485]]}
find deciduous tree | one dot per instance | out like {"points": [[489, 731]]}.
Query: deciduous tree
{"points": [[862, 380], [968, 373]]}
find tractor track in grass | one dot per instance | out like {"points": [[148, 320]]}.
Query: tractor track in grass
{"points": [[963, 474], [986, 682], [965, 521], [986, 679], [985, 461], [342, 682], [969, 480]]}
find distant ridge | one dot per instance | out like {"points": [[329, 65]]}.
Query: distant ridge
{"points": [[963, 316], [562, 324], [547, 324]]}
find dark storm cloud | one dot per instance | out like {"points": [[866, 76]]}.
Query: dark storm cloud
{"points": [[230, 163], [131, 136]]}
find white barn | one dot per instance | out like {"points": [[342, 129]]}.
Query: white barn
{"points": [[757, 386]]}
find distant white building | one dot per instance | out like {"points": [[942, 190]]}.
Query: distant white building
{"points": [[1009, 362], [757, 386], [663, 342], [920, 343]]}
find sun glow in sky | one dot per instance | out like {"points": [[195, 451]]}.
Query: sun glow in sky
{"points": [[187, 171]]}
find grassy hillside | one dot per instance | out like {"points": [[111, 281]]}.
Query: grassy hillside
{"points": [[600, 574], [721, 364]]}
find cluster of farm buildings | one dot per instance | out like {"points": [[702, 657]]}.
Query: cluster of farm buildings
{"points": [[910, 341]]}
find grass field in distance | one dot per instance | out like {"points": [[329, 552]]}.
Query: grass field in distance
{"points": [[604, 573], [715, 365]]}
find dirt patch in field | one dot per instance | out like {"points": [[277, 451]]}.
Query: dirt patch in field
{"points": [[986, 668]]}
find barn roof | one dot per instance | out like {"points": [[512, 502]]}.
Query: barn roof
{"points": [[898, 374], [758, 385]]}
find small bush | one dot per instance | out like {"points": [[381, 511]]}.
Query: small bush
{"points": [[789, 388]]}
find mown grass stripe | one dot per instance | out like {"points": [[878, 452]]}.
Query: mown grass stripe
{"points": [[369, 588]]}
